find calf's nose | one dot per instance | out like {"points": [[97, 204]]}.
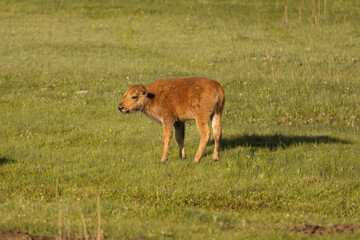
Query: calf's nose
{"points": [[120, 108]]}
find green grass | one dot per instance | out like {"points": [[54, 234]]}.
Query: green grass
{"points": [[290, 149]]}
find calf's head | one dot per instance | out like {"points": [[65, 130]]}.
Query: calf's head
{"points": [[135, 99]]}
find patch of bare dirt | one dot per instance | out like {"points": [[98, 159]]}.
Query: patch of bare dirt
{"points": [[140, 238], [15, 235], [323, 230]]}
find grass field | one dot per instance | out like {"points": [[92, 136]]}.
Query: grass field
{"points": [[71, 164]]}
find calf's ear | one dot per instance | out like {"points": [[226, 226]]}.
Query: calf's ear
{"points": [[150, 95]]}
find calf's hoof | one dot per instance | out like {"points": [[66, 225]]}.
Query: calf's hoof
{"points": [[215, 158], [196, 160]]}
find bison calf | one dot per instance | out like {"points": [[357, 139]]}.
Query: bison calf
{"points": [[173, 101]]}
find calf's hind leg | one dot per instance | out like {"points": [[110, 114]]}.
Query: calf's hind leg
{"points": [[216, 126], [204, 131], [179, 136]]}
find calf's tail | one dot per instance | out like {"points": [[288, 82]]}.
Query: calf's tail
{"points": [[219, 105]]}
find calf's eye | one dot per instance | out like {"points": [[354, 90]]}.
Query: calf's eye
{"points": [[134, 97]]}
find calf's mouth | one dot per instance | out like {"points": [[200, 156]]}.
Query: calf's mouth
{"points": [[123, 110]]}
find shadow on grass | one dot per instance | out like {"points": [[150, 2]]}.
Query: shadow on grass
{"points": [[4, 160], [274, 142]]}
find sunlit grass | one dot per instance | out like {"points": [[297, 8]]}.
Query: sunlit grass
{"points": [[290, 148]]}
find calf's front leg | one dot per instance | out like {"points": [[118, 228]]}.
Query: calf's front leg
{"points": [[180, 135], [166, 140]]}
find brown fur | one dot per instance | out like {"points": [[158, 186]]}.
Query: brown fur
{"points": [[173, 101]]}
